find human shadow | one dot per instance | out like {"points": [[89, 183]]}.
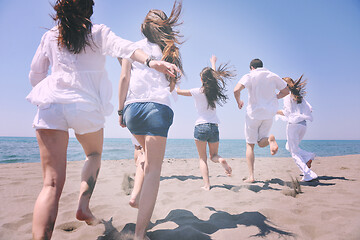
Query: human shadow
{"points": [[181, 178], [111, 233], [317, 182], [191, 227], [255, 187]]}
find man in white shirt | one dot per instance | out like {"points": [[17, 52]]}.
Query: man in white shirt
{"points": [[262, 107]]}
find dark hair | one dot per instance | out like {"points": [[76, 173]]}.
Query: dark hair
{"points": [[214, 84], [159, 29], [297, 88], [73, 20], [256, 63]]}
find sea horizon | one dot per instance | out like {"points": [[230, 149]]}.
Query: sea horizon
{"points": [[25, 149]]}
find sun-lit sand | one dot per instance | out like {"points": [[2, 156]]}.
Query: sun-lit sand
{"points": [[271, 208]]}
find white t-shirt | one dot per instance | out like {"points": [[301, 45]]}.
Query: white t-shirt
{"points": [[147, 84], [295, 112], [206, 115], [76, 78], [262, 85]]}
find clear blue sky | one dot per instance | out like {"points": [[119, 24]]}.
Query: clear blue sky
{"points": [[319, 39]]}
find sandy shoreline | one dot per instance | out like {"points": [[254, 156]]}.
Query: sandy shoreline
{"points": [[328, 209]]}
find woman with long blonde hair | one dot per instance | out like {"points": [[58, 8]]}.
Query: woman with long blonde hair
{"points": [[145, 107]]}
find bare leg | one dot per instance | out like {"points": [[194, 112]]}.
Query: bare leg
{"points": [[154, 155], [213, 149], [250, 159], [270, 140], [139, 179], [139, 175], [52, 145], [92, 144], [201, 147]]}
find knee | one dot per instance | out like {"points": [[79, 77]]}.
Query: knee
{"points": [[54, 184], [94, 156]]}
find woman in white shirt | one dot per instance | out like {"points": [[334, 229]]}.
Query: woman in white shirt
{"points": [[206, 129], [297, 111], [76, 94], [145, 107]]}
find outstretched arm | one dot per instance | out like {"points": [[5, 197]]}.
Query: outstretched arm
{"points": [[283, 93], [183, 92], [123, 85], [213, 62], [161, 66], [238, 88]]}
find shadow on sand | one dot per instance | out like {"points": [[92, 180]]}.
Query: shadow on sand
{"points": [[191, 227]]}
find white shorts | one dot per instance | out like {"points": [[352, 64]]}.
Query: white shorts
{"points": [[64, 116], [255, 129]]}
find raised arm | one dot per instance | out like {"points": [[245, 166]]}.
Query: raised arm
{"points": [[213, 62], [238, 88], [123, 86]]}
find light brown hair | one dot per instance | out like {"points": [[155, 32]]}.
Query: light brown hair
{"points": [[159, 29]]}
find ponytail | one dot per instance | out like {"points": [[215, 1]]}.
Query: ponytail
{"points": [[297, 88]]}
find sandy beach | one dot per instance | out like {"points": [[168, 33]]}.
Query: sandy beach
{"points": [[271, 208]]}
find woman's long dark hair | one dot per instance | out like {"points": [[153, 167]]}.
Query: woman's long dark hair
{"points": [[297, 88], [214, 84], [159, 29], [73, 20]]}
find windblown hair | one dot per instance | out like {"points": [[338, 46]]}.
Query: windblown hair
{"points": [[73, 20], [159, 29], [214, 84], [297, 88]]}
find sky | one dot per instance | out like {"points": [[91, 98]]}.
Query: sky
{"points": [[320, 39]]}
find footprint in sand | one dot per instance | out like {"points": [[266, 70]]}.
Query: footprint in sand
{"points": [[69, 226]]}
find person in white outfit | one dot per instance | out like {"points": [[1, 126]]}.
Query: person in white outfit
{"points": [[75, 94], [206, 131], [262, 85], [145, 107], [297, 112]]}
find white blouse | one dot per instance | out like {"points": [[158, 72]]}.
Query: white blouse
{"points": [[76, 78], [206, 114], [295, 112], [147, 84]]}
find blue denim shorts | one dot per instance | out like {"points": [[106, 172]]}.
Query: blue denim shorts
{"points": [[148, 118], [207, 132]]}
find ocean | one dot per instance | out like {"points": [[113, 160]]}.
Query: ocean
{"points": [[25, 149]]}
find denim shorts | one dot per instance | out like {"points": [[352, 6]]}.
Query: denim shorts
{"points": [[148, 118], [207, 132]]}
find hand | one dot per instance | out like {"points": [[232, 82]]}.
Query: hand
{"points": [[240, 104], [213, 59], [165, 67], [121, 122]]}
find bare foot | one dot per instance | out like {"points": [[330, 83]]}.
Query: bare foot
{"points": [[87, 216], [228, 169], [273, 145], [206, 188], [134, 202], [248, 180], [308, 164]]}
